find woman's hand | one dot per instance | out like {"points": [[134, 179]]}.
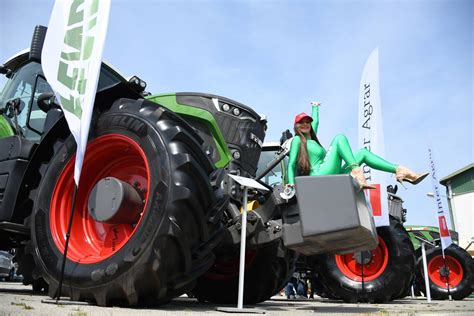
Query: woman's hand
{"points": [[315, 103]]}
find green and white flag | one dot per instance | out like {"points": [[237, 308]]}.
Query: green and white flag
{"points": [[71, 60]]}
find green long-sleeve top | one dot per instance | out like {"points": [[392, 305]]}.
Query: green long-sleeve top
{"points": [[316, 152]]}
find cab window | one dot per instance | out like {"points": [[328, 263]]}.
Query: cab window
{"points": [[277, 175], [27, 84]]}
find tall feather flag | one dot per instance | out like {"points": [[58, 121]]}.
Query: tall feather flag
{"points": [[443, 226], [71, 60], [371, 136]]}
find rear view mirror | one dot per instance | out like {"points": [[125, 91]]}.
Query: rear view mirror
{"points": [[285, 136], [46, 101]]}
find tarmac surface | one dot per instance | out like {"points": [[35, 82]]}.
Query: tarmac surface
{"points": [[17, 299]]}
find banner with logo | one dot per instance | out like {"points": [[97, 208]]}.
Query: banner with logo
{"points": [[443, 227], [71, 60], [371, 136]]}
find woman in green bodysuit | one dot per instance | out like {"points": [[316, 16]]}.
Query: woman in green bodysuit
{"points": [[309, 157]]}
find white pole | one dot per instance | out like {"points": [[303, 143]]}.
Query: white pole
{"points": [[243, 237], [412, 292], [425, 269]]}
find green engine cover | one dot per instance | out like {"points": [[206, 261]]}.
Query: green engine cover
{"points": [[427, 233], [203, 121]]}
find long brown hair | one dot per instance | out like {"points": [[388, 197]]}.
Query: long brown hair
{"points": [[303, 159]]}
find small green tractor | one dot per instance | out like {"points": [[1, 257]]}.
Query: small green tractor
{"points": [[452, 275]]}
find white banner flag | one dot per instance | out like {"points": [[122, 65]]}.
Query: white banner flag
{"points": [[371, 136], [443, 226], [71, 60]]}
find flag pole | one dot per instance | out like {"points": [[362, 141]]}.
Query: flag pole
{"points": [[68, 235], [425, 272]]}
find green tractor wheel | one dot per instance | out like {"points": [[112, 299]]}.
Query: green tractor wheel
{"points": [[453, 275], [375, 276], [267, 270], [152, 250]]}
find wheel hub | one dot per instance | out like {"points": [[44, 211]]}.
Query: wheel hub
{"points": [[444, 271], [366, 265], [363, 257], [113, 201]]}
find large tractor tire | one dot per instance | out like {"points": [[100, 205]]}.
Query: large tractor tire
{"points": [[455, 272], [375, 276], [156, 251], [267, 270]]}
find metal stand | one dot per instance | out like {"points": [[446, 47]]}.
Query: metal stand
{"points": [[246, 183], [425, 272], [63, 302]]}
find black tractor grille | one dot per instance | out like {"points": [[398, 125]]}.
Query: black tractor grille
{"points": [[243, 132]]}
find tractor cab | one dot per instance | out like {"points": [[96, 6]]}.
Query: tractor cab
{"points": [[19, 102], [26, 98]]}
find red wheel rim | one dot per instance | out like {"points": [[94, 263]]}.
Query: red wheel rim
{"points": [[349, 267], [224, 269], [435, 267], [111, 155]]}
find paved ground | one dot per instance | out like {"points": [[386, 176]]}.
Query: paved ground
{"points": [[16, 299]]}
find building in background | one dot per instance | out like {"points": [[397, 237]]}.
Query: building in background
{"points": [[460, 193]]}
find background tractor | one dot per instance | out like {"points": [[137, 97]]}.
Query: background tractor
{"points": [[453, 275]]}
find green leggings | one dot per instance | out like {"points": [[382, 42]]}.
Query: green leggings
{"points": [[340, 150]]}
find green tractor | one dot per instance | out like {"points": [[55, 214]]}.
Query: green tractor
{"points": [[452, 276]]}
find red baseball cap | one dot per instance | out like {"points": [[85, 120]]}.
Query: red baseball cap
{"points": [[301, 116]]}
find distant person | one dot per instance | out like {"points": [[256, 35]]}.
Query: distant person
{"points": [[296, 287], [308, 156], [290, 288]]}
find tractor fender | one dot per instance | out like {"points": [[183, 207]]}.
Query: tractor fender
{"points": [[31, 177]]}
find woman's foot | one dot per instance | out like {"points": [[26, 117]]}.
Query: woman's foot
{"points": [[358, 175], [405, 174]]}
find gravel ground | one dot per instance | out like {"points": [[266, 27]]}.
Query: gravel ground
{"points": [[16, 299]]}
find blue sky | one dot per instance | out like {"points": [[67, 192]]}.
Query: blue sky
{"points": [[275, 56]]}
